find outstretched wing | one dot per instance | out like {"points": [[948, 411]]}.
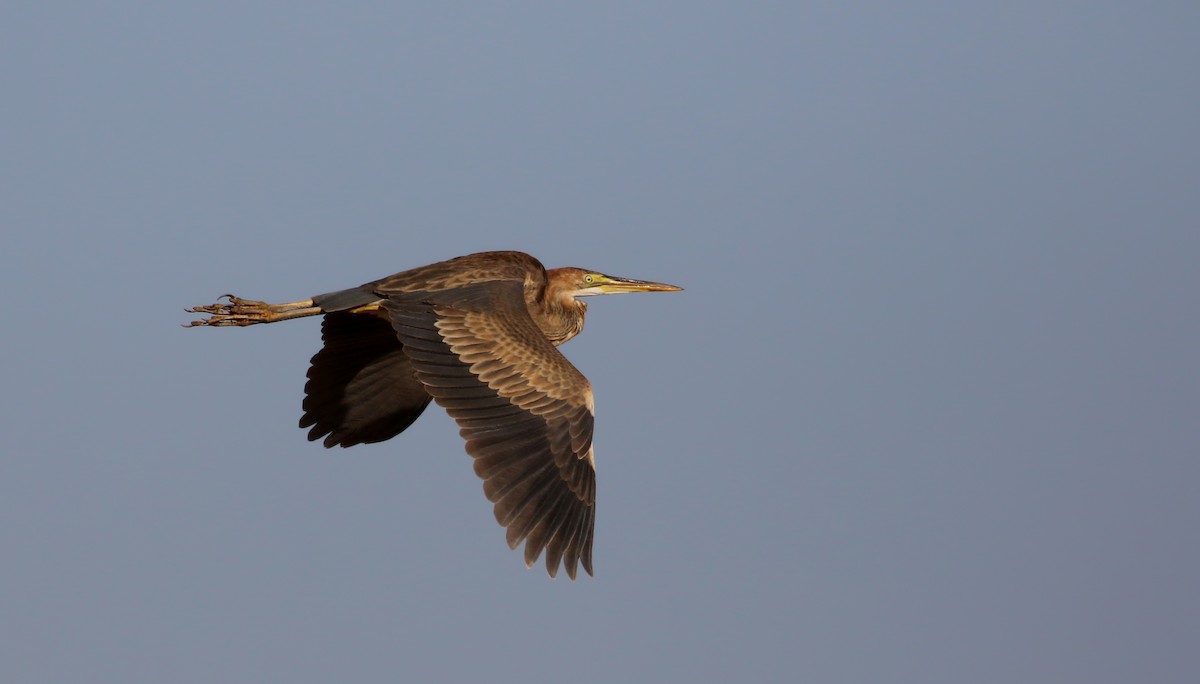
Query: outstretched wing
{"points": [[525, 412]]}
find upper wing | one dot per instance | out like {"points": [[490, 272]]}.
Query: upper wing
{"points": [[524, 410]]}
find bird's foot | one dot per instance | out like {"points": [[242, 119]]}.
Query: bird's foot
{"points": [[233, 311], [241, 312]]}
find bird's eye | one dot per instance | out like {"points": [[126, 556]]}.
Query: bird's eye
{"points": [[588, 279]]}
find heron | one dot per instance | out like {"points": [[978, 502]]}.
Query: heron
{"points": [[478, 334]]}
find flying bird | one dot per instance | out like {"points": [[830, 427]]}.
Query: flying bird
{"points": [[478, 335]]}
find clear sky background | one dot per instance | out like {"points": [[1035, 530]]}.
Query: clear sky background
{"points": [[926, 412]]}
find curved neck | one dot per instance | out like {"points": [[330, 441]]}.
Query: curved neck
{"points": [[560, 317]]}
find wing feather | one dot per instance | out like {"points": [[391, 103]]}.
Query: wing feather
{"points": [[524, 411], [361, 387]]}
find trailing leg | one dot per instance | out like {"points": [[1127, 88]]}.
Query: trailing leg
{"points": [[240, 312]]}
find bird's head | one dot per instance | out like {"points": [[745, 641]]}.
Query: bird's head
{"points": [[579, 282]]}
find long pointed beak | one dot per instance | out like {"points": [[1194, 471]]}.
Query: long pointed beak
{"points": [[615, 285]]}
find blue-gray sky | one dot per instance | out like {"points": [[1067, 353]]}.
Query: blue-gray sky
{"points": [[926, 411]]}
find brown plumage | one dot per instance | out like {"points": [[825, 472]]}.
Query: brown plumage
{"points": [[476, 334]]}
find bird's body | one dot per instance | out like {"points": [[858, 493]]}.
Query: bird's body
{"points": [[477, 334]]}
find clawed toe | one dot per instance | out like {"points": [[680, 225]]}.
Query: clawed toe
{"points": [[241, 312], [234, 311]]}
